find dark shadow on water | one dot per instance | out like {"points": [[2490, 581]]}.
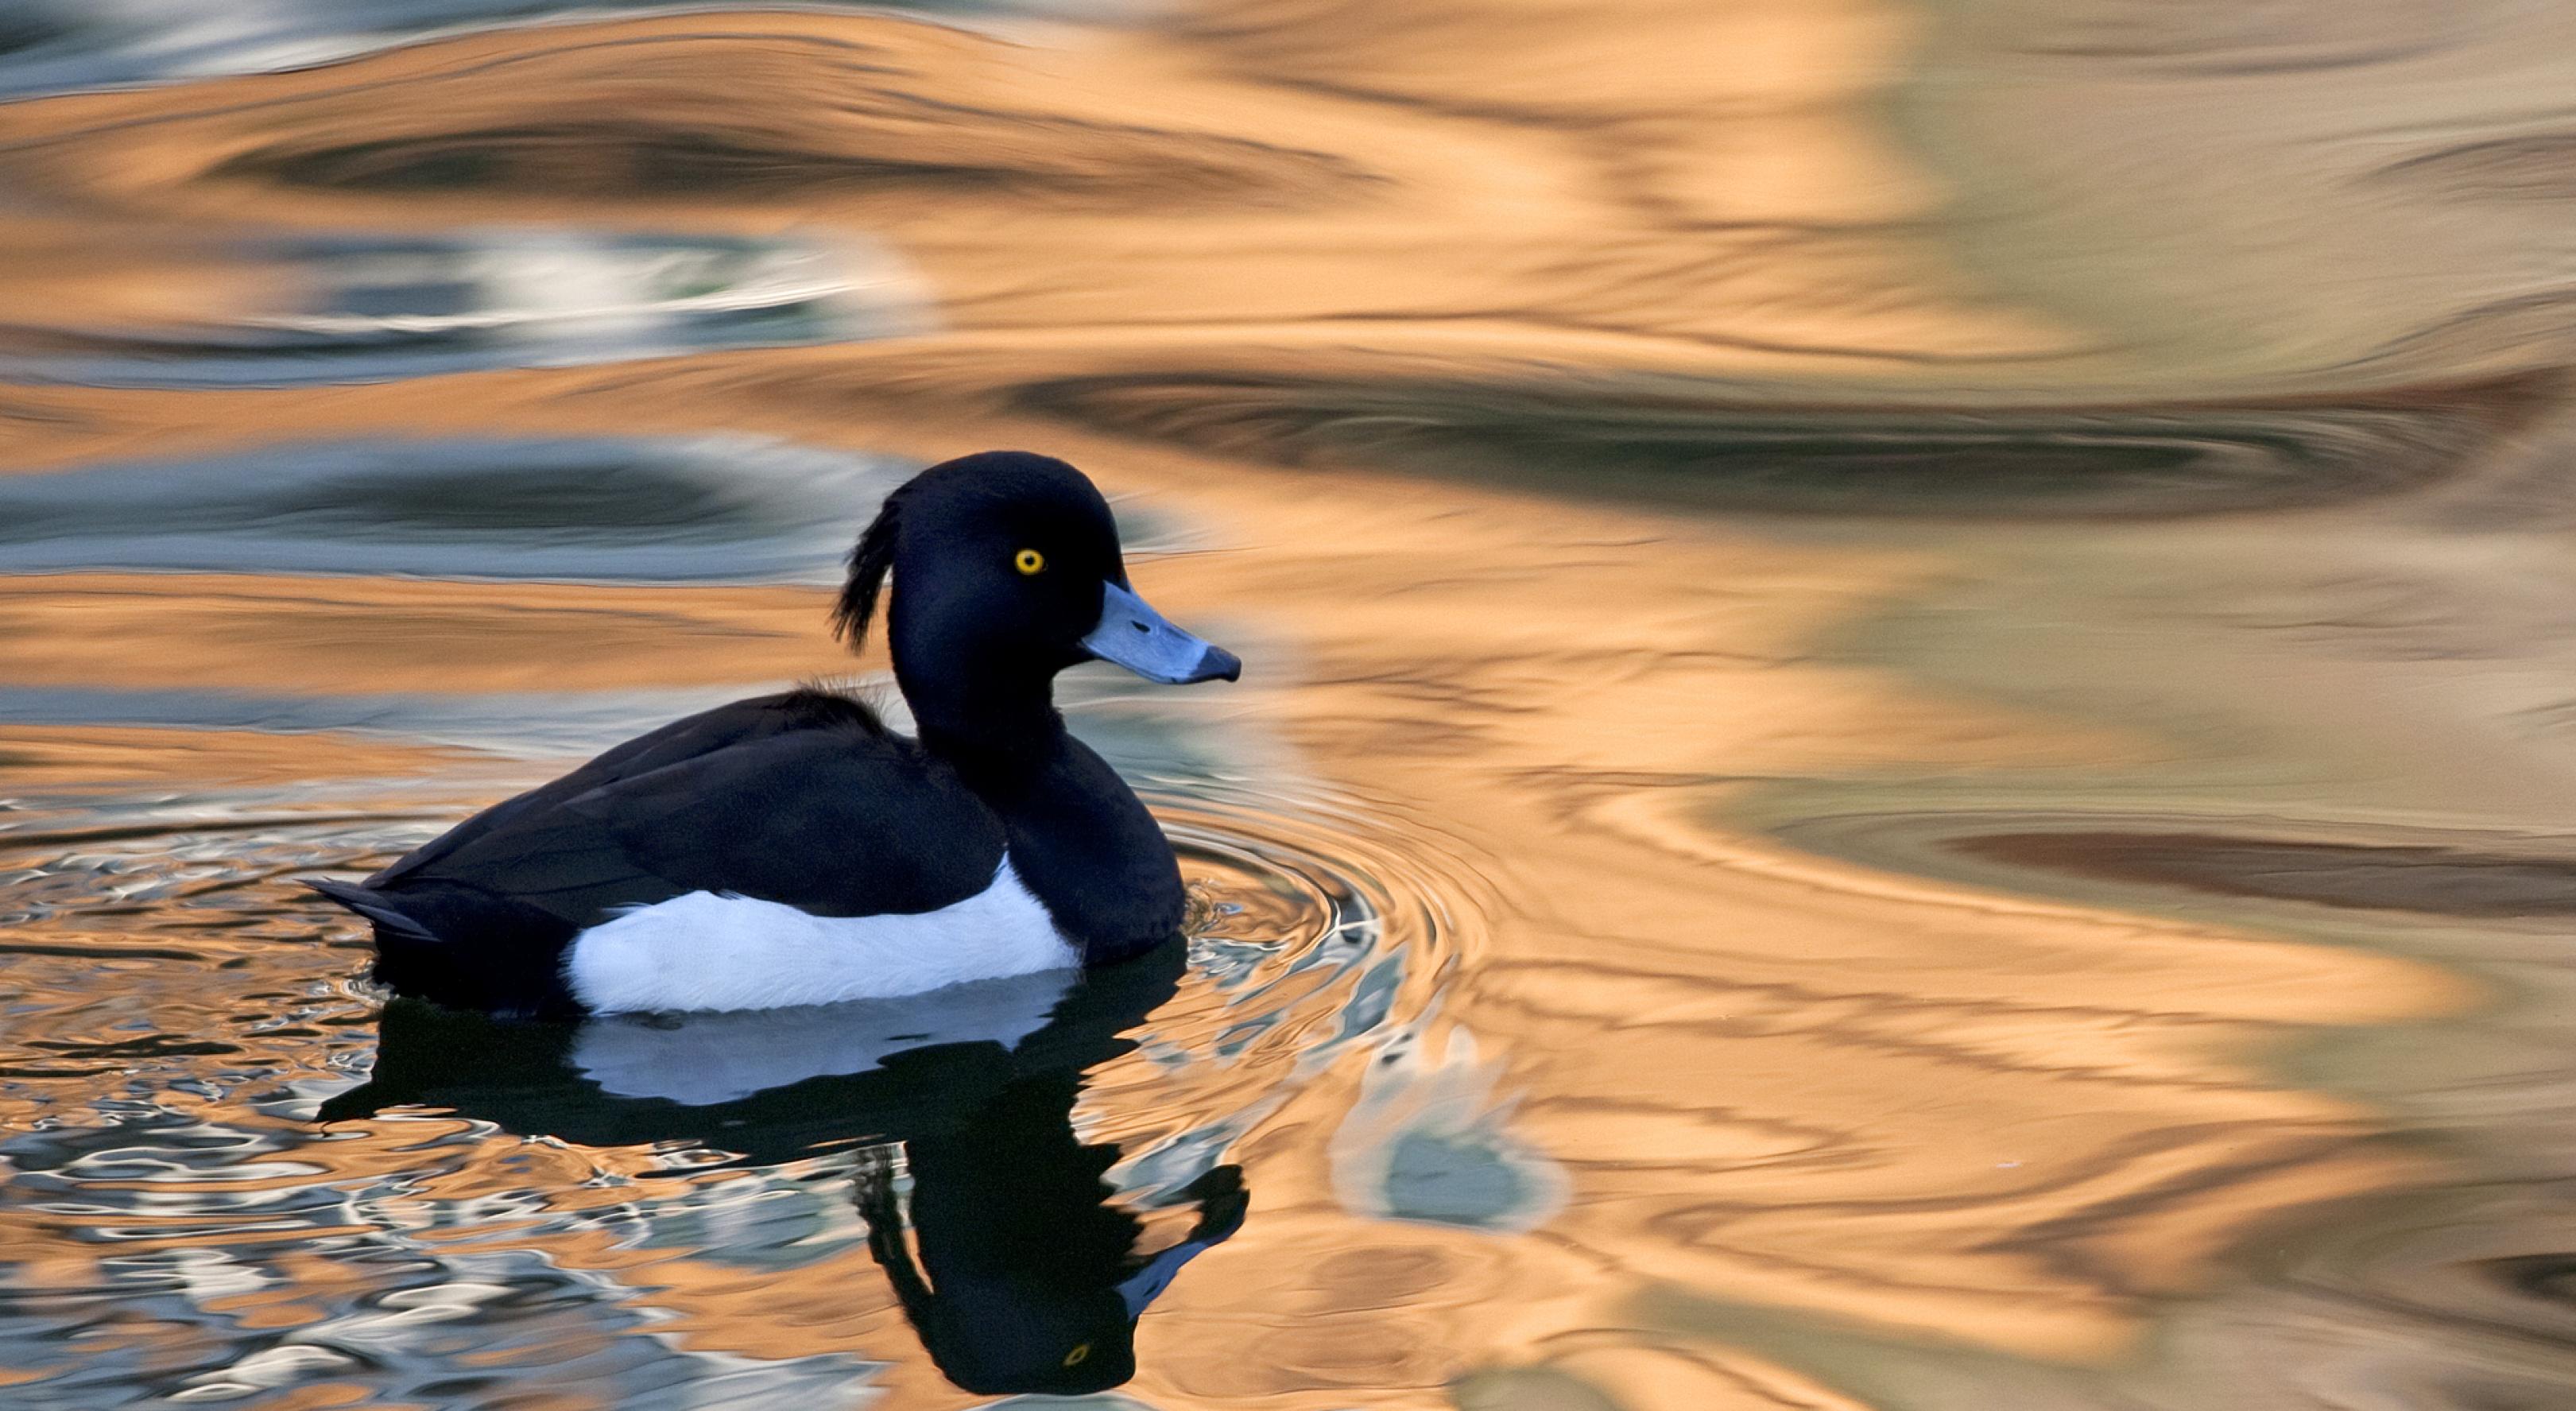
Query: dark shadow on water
{"points": [[2443, 881], [679, 158], [1670, 446], [708, 508], [1020, 1274]]}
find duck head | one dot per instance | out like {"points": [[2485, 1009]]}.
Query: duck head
{"points": [[1007, 570]]}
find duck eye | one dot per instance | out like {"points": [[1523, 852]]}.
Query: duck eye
{"points": [[1074, 1358], [1029, 561]]}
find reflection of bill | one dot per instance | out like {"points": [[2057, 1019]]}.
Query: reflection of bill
{"points": [[1020, 1275]]}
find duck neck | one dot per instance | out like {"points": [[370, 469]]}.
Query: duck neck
{"points": [[1079, 838], [995, 732]]}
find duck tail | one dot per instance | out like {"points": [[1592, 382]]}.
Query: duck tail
{"points": [[376, 906], [463, 947]]}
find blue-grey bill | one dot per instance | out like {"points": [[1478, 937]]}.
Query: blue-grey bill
{"points": [[1136, 637]]}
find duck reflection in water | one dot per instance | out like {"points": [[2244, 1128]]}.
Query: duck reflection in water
{"points": [[1025, 1279], [1019, 1272]]}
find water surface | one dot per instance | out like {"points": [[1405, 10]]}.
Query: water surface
{"points": [[1903, 746]]}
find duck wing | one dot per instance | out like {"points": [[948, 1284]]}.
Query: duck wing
{"points": [[803, 799], [688, 738]]}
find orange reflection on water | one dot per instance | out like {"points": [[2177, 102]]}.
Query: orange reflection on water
{"points": [[240, 632], [1692, 191], [1781, 1093], [75, 758]]}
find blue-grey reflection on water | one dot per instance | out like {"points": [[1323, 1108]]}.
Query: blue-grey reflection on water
{"points": [[720, 508], [701, 1060], [716, 508], [427, 1313], [373, 309]]}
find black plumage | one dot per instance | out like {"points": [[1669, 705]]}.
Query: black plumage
{"points": [[807, 799]]}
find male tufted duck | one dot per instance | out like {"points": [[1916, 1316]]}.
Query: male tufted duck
{"points": [[791, 849]]}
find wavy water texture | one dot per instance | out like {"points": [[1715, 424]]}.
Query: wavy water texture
{"points": [[55, 45], [207, 1203], [722, 508], [359, 309], [1902, 745]]}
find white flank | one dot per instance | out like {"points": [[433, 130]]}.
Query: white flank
{"points": [[707, 950]]}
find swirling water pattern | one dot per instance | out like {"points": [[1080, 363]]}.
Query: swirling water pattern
{"points": [[1901, 751]]}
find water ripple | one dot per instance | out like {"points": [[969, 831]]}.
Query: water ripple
{"points": [[178, 1155], [720, 508], [1674, 445], [358, 309], [50, 46]]}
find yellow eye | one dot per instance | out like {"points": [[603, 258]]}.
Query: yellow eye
{"points": [[1030, 561], [1074, 1358]]}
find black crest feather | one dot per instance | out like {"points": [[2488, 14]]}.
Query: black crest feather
{"points": [[868, 564]]}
